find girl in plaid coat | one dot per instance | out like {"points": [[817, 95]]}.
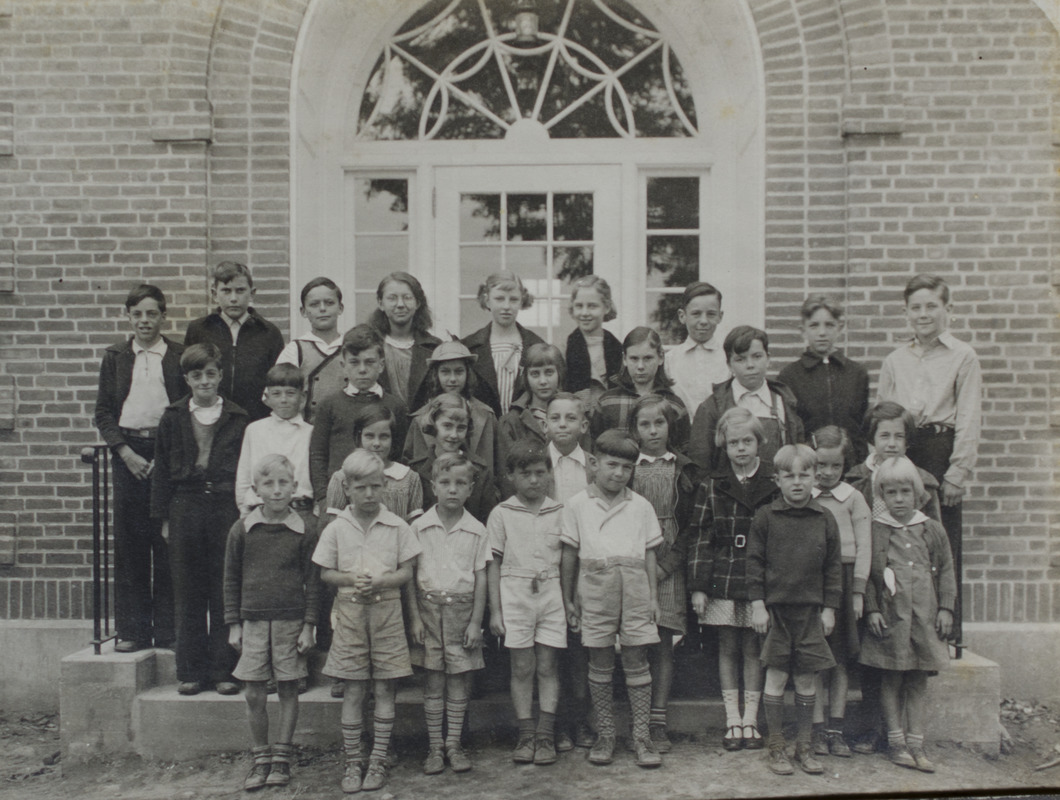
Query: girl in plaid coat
{"points": [[721, 518]]}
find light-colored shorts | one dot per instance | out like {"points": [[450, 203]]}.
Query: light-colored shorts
{"points": [[270, 650], [368, 642], [533, 618], [445, 620], [615, 599]]}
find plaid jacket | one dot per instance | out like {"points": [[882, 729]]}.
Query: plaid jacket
{"points": [[614, 407], [721, 520]]}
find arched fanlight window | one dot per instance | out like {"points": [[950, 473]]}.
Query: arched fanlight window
{"points": [[475, 69]]}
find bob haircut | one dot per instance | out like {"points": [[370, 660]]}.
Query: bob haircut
{"points": [[888, 410], [268, 464], [286, 375], [833, 436], [360, 338], [504, 280], [738, 416], [200, 356], [524, 453], [931, 282], [601, 287], [376, 412], [568, 397], [227, 271], [434, 385], [316, 283], [446, 405], [793, 456], [450, 461], [898, 470], [616, 443], [359, 464], [640, 335], [650, 401], [741, 338], [815, 302], [421, 318], [546, 355], [142, 292]]}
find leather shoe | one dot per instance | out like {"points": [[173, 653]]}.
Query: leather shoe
{"points": [[189, 687], [227, 687], [127, 646]]}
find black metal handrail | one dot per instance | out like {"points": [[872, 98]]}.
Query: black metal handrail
{"points": [[98, 456]]}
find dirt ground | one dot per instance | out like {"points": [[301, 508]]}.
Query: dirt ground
{"points": [[30, 767]]}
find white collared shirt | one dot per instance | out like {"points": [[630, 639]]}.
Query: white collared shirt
{"points": [[147, 397], [346, 546], [450, 558], [644, 458], [286, 437], [257, 517], [695, 368], [235, 324], [760, 402], [353, 391], [206, 415], [596, 529], [289, 354], [568, 472]]}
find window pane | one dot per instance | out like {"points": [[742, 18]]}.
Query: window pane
{"points": [[475, 264], [377, 256], [480, 217], [662, 316], [571, 263], [673, 203], [672, 261], [528, 262], [363, 305], [381, 205], [527, 218], [572, 217]]}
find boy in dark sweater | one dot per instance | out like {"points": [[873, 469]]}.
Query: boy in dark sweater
{"points": [[248, 342], [272, 590], [794, 582], [193, 494], [363, 362]]}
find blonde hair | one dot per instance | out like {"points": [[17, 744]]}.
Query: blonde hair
{"points": [[898, 470], [735, 416], [792, 456], [360, 464], [598, 285], [267, 464], [504, 279]]}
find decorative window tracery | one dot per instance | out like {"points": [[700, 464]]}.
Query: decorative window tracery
{"points": [[463, 69]]}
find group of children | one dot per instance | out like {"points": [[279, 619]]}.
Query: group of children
{"points": [[559, 503]]}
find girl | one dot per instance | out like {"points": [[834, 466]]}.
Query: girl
{"points": [[721, 518], [404, 320], [852, 515], [402, 488], [316, 353], [699, 361], [642, 373], [526, 419], [450, 371], [448, 421], [668, 481], [594, 354], [501, 346], [909, 605]]}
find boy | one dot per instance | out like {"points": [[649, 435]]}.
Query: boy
{"points": [[747, 354], [526, 419], [609, 537], [284, 432], [332, 439], [794, 583], [829, 388], [698, 362], [367, 552], [271, 591], [248, 342], [193, 494], [937, 378], [137, 380], [526, 599], [445, 616], [316, 353]]}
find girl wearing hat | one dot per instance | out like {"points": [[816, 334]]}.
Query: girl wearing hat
{"points": [[450, 371]]}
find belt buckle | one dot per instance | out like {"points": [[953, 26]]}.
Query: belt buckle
{"points": [[740, 540], [208, 487]]}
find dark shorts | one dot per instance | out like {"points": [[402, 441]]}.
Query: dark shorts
{"points": [[795, 642], [843, 640]]}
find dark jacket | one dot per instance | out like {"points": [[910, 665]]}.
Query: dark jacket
{"points": [[423, 346], [579, 367], [244, 364], [701, 447], [614, 407], [721, 522], [671, 557], [479, 344], [860, 477], [483, 496], [176, 452], [836, 393], [115, 381]]}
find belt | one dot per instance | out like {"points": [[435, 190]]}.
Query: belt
{"points": [[139, 433], [936, 428], [302, 503], [207, 487], [376, 597], [446, 598], [537, 575], [599, 564]]}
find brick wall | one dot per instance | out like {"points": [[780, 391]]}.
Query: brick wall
{"points": [[150, 140]]}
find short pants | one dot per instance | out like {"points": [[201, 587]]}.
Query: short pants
{"points": [[533, 617], [270, 651], [444, 624], [795, 642], [369, 640]]}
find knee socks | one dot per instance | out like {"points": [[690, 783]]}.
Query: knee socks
{"points": [[731, 699], [750, 707], [546, 724], [351, 739], [638, 687], [383, 727], [434, 712], [774, 706], [804, 704], [455, 708], [600, 692]]}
